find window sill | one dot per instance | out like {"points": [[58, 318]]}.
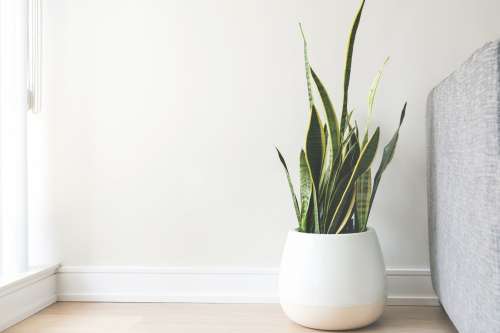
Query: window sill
{"points": [[22, 295]]}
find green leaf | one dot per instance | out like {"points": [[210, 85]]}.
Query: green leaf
{"points": [[328, 192], [308, 69], [306, 186], [325, 143], [338, 186], [315, 215], [348, 213], [315, 143], [351, 157], [371, 98], [363, 163], [308, 195], [332, 122], [338, 206], [343, 173], [327, 163], [348, 136], [374, 87], [340, 166], [386, 158], [348, 64], [363, 196], [355, 138], [290, 185], [367, 154]]}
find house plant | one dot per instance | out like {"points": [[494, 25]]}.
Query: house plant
{"points": [[332, 272]]}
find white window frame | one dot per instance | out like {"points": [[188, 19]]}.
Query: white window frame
{"points": [[13, 159]]}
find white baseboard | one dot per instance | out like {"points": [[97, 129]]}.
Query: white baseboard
{"points": [[26, 294], [210, 285], [410, 286]]}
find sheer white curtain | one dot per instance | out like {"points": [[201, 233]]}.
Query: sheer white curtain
{"points": [[13, 109]]}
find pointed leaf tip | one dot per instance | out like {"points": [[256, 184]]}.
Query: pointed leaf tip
{"points": [[308, 69], [403, 113]]}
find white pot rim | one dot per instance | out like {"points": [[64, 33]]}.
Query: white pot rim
{"points": [[369, 230]]}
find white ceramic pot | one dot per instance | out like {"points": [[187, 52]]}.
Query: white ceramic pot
{"points": [[332, 282]]}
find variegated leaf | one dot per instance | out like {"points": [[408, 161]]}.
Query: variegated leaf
{"points": [[290, 185], [308, 69], [363, 196], [386, 158], [348, 64], [364, 161], [331, 117], [315, 143], [306, 185]]}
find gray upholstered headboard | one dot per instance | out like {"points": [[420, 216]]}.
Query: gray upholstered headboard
{"points": [[463, 132]]}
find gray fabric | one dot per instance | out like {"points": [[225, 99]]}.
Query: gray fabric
{"points": [[463, 131]]}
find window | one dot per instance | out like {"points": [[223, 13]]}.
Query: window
{"points": [[13, 109]]}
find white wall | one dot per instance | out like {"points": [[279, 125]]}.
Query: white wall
{"points": [[160, 120]]}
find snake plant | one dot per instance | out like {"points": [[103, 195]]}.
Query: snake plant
{"points": [[336, 186]]}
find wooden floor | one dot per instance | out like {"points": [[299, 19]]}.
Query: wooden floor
{"points": [[71, 317]]}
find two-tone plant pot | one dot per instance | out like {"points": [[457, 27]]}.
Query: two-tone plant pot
{"points": [[332, 282]]}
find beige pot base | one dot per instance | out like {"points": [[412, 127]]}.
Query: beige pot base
{"points": [[333, 318]]}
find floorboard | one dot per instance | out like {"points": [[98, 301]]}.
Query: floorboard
{"points": [[74, 317]]}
